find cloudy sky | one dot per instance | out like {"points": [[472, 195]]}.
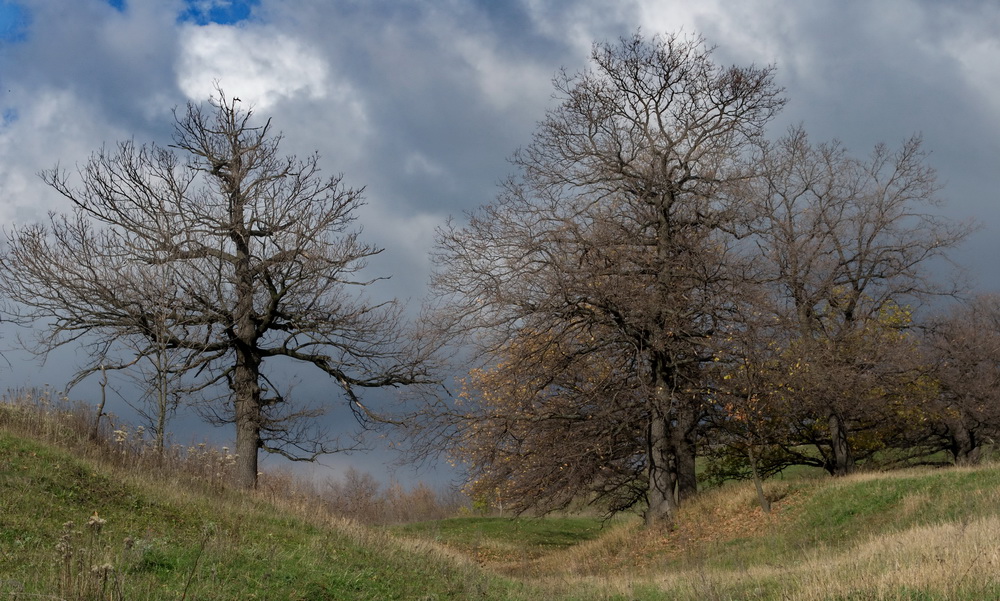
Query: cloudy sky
{"points": [[422, 101]]}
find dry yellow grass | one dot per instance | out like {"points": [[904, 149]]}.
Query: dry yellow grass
{"points": [[951, 560], [947, 561], [936, 560], [628, 558]]}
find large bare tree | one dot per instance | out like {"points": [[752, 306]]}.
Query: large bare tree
{"points": [[617, 237], [264, 263]]}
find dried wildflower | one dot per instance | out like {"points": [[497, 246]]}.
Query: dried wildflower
{"points": [[96, 522], [65, 547]]}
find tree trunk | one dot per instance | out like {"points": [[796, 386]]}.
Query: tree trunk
{"points": [[963, 445], [664, 442], [843, 460], [162, 402], [757, 483], [660, 470], [246, 375], [246, 398], [685, 451], [100, 408]]}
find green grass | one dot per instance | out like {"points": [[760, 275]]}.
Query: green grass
{"points": [[505, 539], [228, 546], [837, 514]]}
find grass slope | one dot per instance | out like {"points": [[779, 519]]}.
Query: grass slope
{"points": [[165, 540], [927, 534]]}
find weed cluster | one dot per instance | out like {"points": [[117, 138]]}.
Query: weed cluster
{"points": [[87, 565], [52, 417]]}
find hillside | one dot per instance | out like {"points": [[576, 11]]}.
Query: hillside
{"points": [[164, 539], [913, 534]]}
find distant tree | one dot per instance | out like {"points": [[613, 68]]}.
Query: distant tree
{"points": [[869, 377], [963, 350], [848, 244], [149, 360], [263, 260], [750, 435], [618, 228]]}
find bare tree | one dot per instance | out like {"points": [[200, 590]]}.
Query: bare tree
{"points": [[151, 361], [618, 229], [144, 356], [848, 243], [264, 260], [963, 349], [749, 432]]}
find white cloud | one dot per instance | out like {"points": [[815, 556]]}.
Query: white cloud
{"points": [[54, 126], [978, 57], [262, 66], [419, 164], [504, 82], [580, 24]]}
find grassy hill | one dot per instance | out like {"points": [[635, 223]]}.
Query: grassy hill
{"points": [[163, 539], [158, 534]]}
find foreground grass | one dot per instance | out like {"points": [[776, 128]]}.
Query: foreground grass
{"points": [[913, 534], [167, 541]]}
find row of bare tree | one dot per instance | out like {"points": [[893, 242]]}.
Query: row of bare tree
{"points": [[659, 281]]}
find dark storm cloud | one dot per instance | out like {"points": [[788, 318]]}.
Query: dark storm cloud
{"points": [[866, 72], [450, 90], [119, 63]]}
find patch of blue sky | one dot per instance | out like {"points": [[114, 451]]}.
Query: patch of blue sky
{"points": [[118, 5], [8, 116], [14, 21], [222, 12]]}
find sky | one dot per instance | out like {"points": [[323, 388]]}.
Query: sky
{"points": [[422, 101]]}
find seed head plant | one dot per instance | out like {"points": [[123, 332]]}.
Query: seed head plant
{"points": [[86, 569]]}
